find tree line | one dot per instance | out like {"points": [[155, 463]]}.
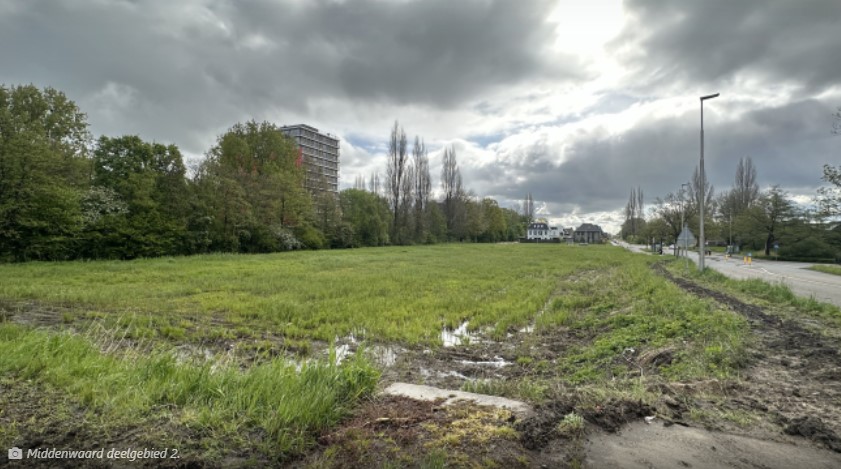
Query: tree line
{"points": [[64, 195], [417, 217], [768, 221]]}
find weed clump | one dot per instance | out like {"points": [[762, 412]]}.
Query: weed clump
{"points": [[571, 425]]}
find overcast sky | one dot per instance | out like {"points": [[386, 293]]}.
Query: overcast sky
{"points": [[574, 101]]}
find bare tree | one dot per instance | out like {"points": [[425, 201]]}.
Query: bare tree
{"points": [[634, 213], [374, 183], [395, 172], [629, 227], [359, 182], [406, 222], [422, 186], [640, 206], [698, 194], [746, 190], [528, 208], [671, 210], [451, 184]]}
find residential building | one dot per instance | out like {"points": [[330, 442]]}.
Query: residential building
{"points": [[588, 233], [319, 153], [540, 231], [567, 235]]}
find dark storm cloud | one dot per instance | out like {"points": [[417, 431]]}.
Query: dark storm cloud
{"points": [[193, 67], [670, 43], [788, 145]]}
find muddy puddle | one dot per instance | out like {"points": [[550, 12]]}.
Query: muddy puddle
{"points": [[458, 336]]}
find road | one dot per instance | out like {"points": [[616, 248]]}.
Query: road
{"points": [[803, 282]]}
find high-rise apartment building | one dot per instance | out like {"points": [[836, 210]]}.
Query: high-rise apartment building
{"points": [[320, 156]]}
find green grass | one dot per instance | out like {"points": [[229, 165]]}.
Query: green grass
{"points": [[532, 390], [401, 294], [608, 306], [827, 269], [288, 405], [771, 295], [393, 294], [628, 310]]}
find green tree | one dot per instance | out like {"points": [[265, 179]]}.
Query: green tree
{"points": [[437, 223], [515, 224], [367, 215], [150, 179], [476, 225], [43, 173], [829, 198], [253, 191], [671, 210], [769, 217]]}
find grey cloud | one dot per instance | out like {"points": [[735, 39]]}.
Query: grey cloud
{"points": [[198, 67], [719, 41], [788, 144]]}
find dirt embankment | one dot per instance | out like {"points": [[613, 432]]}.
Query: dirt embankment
{"points": [[795, 373]]}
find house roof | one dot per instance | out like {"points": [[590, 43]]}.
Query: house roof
{"points": [[538, 226], [589, 227]]}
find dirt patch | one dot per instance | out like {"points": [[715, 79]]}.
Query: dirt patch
{"points": [[814, 429], [33, 313], [792, 376], [392, 431], [536, 432], [614, 413]]}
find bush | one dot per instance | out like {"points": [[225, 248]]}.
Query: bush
{"points": [[286, 240], [808, 249], [310, 237]]}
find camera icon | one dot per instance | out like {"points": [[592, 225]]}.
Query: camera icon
{"points": [[15, 453]]}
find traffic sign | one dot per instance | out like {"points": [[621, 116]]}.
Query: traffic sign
{"points": [[686, 238]]}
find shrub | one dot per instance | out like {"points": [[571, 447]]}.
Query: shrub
{"points": [[809, 248]]}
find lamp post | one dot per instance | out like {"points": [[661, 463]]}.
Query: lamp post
{"points": [[702, 252], [682, 223]]}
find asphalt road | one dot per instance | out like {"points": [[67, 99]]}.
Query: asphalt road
{"points": [[803, 282]]}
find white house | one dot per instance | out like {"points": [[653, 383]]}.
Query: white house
{"points": [[543, 232]]}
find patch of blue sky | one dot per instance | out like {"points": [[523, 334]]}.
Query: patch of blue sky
{"points": [[485, 140], [367, 144]]}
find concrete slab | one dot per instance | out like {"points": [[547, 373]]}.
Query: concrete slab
{"points": [[430, 393]]}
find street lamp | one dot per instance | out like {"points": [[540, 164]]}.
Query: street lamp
{"points": [[682, 223], [702, 252]]}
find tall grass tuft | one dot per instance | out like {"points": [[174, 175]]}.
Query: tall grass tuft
{"points": [[288, 403]]}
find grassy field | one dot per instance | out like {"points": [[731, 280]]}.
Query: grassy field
{"points": [[828, 269], [105, 335], [392, 294]]}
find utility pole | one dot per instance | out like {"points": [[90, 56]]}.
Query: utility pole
{"points": [[702, 249]]}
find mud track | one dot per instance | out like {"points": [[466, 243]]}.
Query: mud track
{"points": [[793, 375]]}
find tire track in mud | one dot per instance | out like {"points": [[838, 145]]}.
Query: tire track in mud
{"points": [[794, 376]]}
